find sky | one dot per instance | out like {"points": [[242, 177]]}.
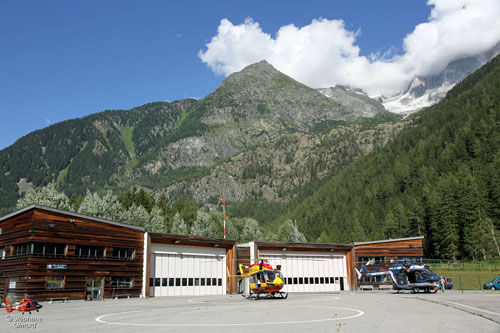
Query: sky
{"points": [[63, 59]]}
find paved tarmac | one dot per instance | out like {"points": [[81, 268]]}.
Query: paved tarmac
{"points": [[377, 311]]}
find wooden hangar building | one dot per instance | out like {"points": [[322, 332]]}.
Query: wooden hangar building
{"points": [[384, 253], [48, 253]]}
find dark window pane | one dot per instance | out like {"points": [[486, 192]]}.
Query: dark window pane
{"points": [[301, 280], [157, 282], [290, 280], [197, 281], [190, 282], [209, 281], [322, 280], [177, 282], [171, 282], [332, 279], [123, 253], [151, 282], [219, 281], [184, 282], [316, 280], [89, 251], [306, 280], [326, 280], [202, 281], [214, 281], [295, 280], [164, 282]]}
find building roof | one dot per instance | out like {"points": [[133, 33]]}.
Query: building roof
{"points": [[389, 240], [190, 240], [301, 246], [73, 214]]}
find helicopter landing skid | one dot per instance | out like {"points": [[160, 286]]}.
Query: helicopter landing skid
{"points": [[273, 295], [283, 295]]}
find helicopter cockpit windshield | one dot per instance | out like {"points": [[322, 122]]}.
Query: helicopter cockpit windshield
{"points": [[269, 275], [427, 275]]}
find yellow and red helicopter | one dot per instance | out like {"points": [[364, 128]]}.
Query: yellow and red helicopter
{"points": [[26, 305], [264, 280]]}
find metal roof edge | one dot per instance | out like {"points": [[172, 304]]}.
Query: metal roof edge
{"points": [[61, 211], [192, 238], [388, 240], [299, 245]]}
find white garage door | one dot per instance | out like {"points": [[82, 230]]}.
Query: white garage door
{"points": [[310, 272], [187, 271]]}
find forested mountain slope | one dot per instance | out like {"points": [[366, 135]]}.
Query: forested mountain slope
{"points": [[163, 147], [439, 178]]}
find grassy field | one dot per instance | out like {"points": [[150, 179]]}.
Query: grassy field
{"points": [[467, 275]]}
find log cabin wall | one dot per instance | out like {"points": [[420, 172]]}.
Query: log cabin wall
{"points": [[388, 252], [50, 253]]}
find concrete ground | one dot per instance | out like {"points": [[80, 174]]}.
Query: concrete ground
{"points": [[375, 311]]}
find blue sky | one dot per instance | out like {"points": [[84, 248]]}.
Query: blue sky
{"points": [[66, 59]]}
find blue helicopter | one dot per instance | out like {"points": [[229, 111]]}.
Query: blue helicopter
{"points": [[406, 276]]}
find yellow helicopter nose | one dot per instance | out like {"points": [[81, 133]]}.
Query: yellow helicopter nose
{"points": [[278, 282]]}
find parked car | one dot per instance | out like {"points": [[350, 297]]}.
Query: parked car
{"points": [[448, 283], [493, 285]]}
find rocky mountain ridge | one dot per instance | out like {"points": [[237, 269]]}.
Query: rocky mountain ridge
{"points": [[163, 146], [426, 91]]}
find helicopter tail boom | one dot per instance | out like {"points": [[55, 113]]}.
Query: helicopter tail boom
{"points": [[9, 306]]}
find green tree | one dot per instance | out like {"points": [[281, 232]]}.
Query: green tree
{"points": [[204, 225], [107, 206], [157, 221], [288, 232], [46, 196], [179, 226], [137, 215]]}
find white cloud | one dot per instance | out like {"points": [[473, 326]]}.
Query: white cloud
{"points": [[324, 53], [48, 121]]}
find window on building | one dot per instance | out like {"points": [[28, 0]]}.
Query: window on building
{"points": [[372, 260], [413, 259], [54, 282], [49, 249], [3, 252], [89, 251], [121, 282], [123, 253], [23, 249]]}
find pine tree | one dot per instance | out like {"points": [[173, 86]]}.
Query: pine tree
{"points": [[288, 232], [46, 196], [203, 225], [136, 215], [179, 227], [157, 221]]}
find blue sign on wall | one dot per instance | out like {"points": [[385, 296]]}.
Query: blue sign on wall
{"points": [[56, 266]]}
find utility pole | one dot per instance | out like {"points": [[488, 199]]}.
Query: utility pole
{"points": [[223, 200]]}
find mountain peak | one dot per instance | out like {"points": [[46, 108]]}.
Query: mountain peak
{"points": [[259, 65]]}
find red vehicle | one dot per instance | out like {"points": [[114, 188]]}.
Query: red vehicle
{"points": [[26, 305]]}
